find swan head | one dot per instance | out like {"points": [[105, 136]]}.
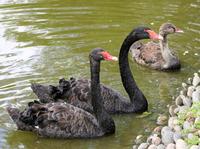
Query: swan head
{"points": [[99, 54], [146, 33], [169, 28]]}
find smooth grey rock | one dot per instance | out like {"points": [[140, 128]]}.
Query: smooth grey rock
{"points": [[143, 146], [172, 122], [167, 135], [156, 140], [171, 110], [196, 79], [190, 136], [186, 101], [176, 136], [152, 146], [180, 144], [190, 91], [171, 146], [196, 96], [187, 125], [161, 146]]}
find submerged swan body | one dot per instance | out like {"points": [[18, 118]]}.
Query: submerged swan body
{"points": [[77, 92], [62, 120], [157, 56]]}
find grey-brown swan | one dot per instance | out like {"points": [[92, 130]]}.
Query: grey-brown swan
{"points": [[77, 92], [62, 120], [157, 56]]}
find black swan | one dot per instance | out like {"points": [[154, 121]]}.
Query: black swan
{"points": [[62, 120], [77, 92], [157, 56]]}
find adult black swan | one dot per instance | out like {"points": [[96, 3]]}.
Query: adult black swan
{"points": [[77, 92], [157, 56], [62, 120]]}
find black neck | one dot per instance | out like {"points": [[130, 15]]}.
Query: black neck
{"points": [[95, 87], [104, 119], [135, 95]]}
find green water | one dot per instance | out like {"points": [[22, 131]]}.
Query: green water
{"points": [[42, 41]]}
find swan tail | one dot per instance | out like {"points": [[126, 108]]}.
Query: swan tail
{"points": [[44, 93], [15, 115], [50, 93]]}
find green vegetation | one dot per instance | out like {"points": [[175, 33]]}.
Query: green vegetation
{"points": [[190, 115]]}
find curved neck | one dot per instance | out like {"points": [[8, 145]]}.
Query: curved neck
{"points": [[166, 52], [104, 119], [135, 95], [95, 87]]}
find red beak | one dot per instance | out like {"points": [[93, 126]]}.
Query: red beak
{"points": [[154, 35], [108, 57]]}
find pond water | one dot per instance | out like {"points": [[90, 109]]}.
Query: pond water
{"points": [[42, 41]]}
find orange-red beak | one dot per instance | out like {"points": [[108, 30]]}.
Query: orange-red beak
{"points": [[107, 56], [154, 35]]}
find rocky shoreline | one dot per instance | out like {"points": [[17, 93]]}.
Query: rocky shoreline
{"points": [[182, 130]]}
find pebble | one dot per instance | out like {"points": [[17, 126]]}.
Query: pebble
{"points": [[152, 146], [184, 85], [171, 136], [189, 81], [156, 140], [161, 146], [135, 147], [157, 130], [186, 101], [171, 146], [180, 144], [190, 136], [171, 122], [186, 52], [196, 79], [190, 91], [186, 125], [171, 110], [177, 128], [196, 96], [167, 135], [179, 101], [139, 139], [143, 146], [162, 119], [176, 136]]}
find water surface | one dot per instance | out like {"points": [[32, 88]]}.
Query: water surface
{"points": [[42, 41]]}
